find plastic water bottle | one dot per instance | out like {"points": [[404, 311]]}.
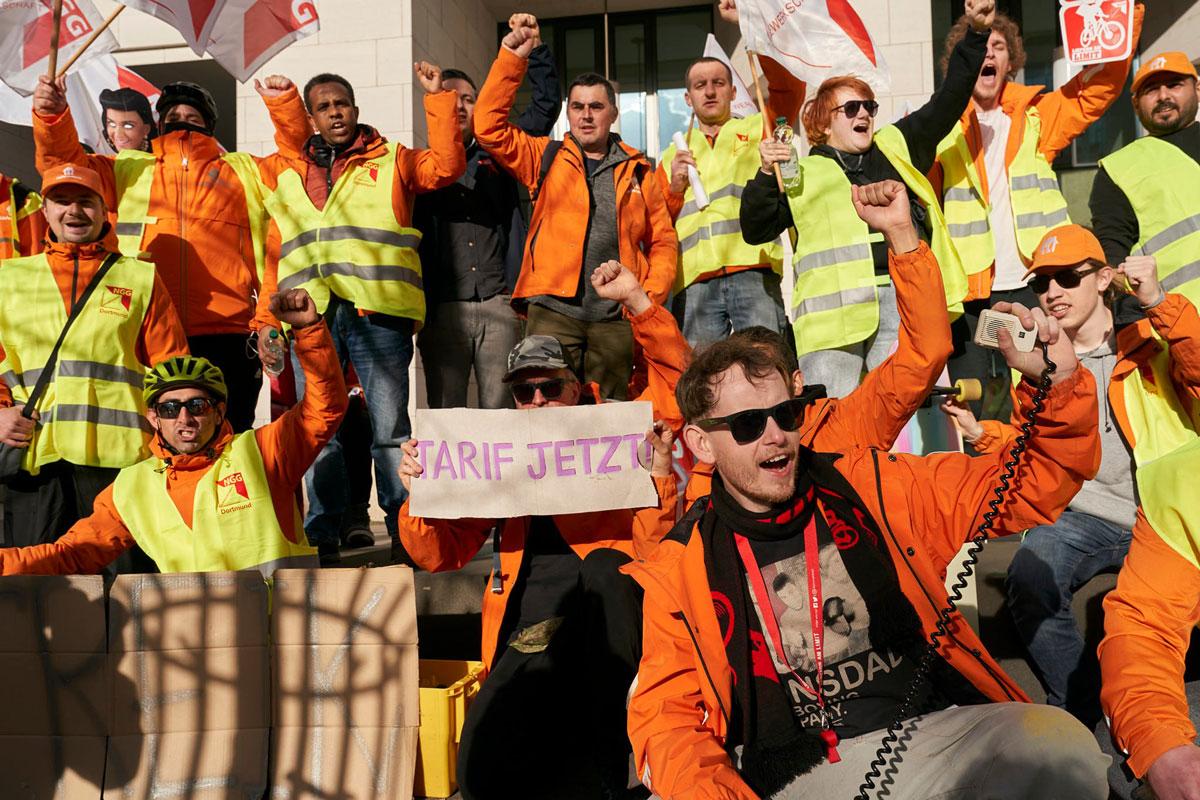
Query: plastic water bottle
{"points": [[784, 134], [277, 352]]}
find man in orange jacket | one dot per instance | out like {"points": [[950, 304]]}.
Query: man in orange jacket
{"points": [[999, 192], [786, 614], [341, 227], [595, 199], [209, 499], [21, 227], [191, 208], [87, 424], [559, 570]]}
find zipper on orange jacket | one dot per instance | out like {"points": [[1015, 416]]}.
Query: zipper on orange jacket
{"points": [[183, 297]]}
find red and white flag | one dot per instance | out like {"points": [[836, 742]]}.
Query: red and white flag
{"points": [[194, 19], [250, 32], [814, 40], [25, 27], [84, 84]]}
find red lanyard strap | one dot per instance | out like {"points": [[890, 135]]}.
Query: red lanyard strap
{"points": [[816, 612]]}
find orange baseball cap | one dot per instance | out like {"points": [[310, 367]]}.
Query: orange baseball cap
{"points": [[1064, 247], [1173, 61], [71, 175]]}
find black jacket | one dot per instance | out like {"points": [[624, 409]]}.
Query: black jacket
{"points": [[501, 193], [765, 212]]}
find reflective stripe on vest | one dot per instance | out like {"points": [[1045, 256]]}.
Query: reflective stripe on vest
{"points": [[834, 299], [234, 525], [1037, 203], [10, 244], [92, 413], [1163, 185], [354, 247], [711, 239], [134, 173]]}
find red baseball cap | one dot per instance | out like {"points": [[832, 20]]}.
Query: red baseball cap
{"points": [[1067, 246], [1173, 62], [71, 175]]}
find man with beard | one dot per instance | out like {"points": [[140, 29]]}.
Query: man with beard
{"points": [[1146, 194], [999, 191], [718, 712]]}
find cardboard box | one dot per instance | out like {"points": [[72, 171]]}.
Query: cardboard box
{"points": [[52, 767], [212, 765], [52, 614], [226, 688], [339, 686], [187, 611], [346, 763], [54, 694], [365, 606]]}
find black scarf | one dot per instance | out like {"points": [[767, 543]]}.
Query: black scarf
{"points": [[776, 749]]}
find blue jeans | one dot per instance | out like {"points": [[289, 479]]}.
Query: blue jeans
{"points": [[1053, 562], [710, 310], [380, 348]]}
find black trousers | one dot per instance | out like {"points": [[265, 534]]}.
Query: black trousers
{"points": [[551, 724], [243, 374], [982, 363], [38, 509]]}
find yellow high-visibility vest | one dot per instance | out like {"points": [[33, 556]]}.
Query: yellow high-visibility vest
{"points": [[353, 248], [834, 301], [1037, 203], [711, 238], [1163, 185], [92, 412], [234, 525], [134, 174]]}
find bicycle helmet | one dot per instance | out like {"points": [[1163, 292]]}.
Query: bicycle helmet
{"points": [[181, 372]]}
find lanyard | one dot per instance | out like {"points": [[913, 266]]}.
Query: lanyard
{"points": [[816, 612]]}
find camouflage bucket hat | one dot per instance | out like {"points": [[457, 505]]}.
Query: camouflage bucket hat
{"points": [[535, 352]]}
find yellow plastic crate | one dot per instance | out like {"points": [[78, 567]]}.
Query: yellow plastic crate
{"points": [[447, 689]]}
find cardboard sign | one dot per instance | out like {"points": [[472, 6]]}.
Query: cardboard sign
{"points": [[1096, 31], [499, 464]]}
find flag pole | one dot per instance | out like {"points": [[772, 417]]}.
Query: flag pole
{"points": [[55, 24], [752, 57], [88, 43]]}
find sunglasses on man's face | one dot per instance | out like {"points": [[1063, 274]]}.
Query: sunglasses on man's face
{"points": [[551, 390], [748, 426], [851, 108], [1067, 279], [197, 407]]}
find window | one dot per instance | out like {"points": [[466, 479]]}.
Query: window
{"points": [[647, 53]]}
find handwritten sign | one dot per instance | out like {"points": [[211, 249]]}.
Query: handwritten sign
{"points": [[1096, 31], [498, 464]]}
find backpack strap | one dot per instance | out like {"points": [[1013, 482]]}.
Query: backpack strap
{"points": [[548, 156]]}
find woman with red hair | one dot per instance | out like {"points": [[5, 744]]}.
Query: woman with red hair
{"points": [[844, 306]]}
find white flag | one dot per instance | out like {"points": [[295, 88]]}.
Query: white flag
{"points": [[25, 27], [743, 103], [194, 19], [250, 32], [84, 84], [814, 40]]}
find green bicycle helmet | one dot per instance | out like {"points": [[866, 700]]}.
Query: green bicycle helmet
{"points": [[181, 372]]}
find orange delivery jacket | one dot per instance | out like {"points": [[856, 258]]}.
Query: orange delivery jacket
{"points": [[200, 238], [927, 508], [554, 249]]}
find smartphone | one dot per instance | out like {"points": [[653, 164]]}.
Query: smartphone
{"points": [[990, 323]]}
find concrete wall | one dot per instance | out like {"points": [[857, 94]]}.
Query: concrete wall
{"points": [[1172, 25]]}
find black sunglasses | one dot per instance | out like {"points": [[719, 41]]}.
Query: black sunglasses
{"points": [[1067, 279], [748, 426], [197, 407], [851, 107], [551, 390]]}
